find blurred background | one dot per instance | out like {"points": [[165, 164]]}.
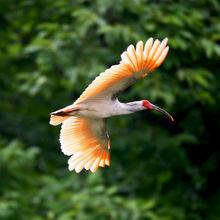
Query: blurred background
{"points": [[50, 50]]}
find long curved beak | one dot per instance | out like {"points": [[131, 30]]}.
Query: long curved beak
{"points": [[162, 111]]}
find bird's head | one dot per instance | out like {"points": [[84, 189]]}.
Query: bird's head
{"points": [[149, 106]]}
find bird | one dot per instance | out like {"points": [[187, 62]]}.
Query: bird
{"points": [[83, 135]]}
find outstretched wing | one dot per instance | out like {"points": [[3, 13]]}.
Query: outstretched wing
{"points": [[86, 141], [135, 63]]}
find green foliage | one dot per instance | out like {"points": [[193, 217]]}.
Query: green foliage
{"points": [[50, 51]]}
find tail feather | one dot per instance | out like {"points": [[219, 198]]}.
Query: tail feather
{"points": [[61, 115], [56, 120]]}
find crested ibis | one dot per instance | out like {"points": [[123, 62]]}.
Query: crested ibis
{"points": [[83, 134]]}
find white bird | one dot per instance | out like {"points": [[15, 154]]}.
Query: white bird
{"points": [[83, 134]]}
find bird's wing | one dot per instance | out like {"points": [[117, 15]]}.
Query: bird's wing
{"points": [[135, 63], [86, 141]]}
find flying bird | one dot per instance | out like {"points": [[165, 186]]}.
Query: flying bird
{"points": [[83, 134]]}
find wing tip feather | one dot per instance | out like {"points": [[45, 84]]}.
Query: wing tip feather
{"points": [[148, 57]]}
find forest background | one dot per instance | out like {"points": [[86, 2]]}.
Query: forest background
{"points": [[50, 50]]}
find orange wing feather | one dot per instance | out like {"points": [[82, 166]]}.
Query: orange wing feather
{"points": [[135, 63], [86, 141]]}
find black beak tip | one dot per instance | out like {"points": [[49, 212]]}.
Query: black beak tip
{"points": [[164, 112], [172, 119]]}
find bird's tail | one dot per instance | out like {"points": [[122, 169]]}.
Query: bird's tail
{"points": [[61, 115]]}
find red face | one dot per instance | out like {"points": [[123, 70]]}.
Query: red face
{"points": [[150, 106], [147, 104]]}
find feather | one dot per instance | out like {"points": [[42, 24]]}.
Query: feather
{"points": [[135, 64], [85, 140]]}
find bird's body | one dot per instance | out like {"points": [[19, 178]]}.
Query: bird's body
{"points": [[106, 109], [84, 134]]}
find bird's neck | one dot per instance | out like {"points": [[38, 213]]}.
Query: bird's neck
{"points": [[130, 107]]}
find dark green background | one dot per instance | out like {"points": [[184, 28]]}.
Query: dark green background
{"points": [[50, 50]]}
